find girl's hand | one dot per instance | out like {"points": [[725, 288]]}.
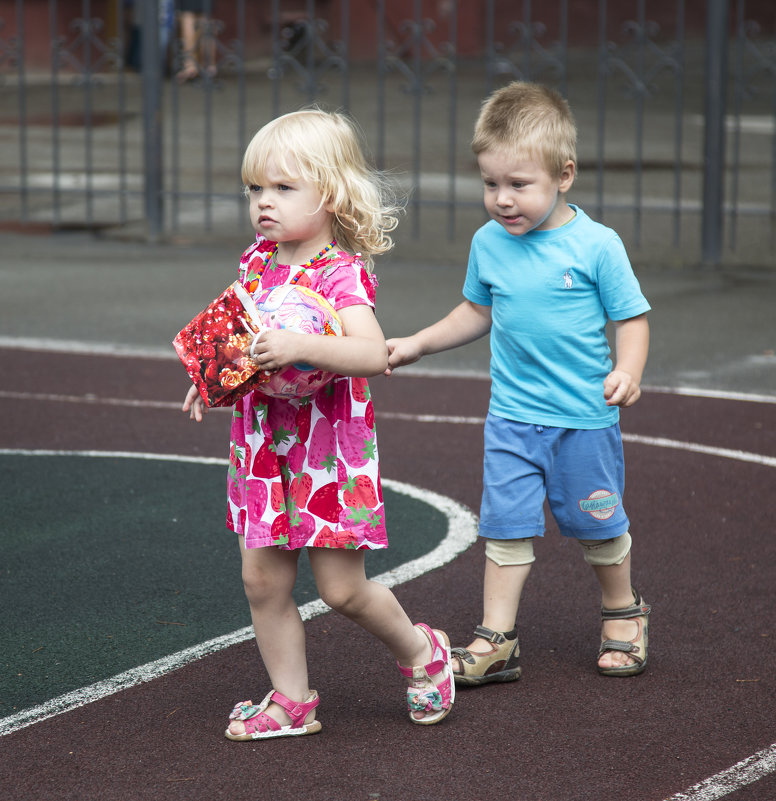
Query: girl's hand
{"points": [[194, 404], [276, 348], [401, 351]]}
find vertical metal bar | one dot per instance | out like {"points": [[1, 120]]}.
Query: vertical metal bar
{"points": [[208, 43], [56, 194], [641, 89], [452, 123], [152, 119], [88, 22], [122, 122], [563, 38], [345, 25], [738, 100], [601, 84], [417, 70], [312, 36], [773, 169], [277, 70], [242, 103], [381, 71], [678, 124], [715, 86], [174, 193], [490, 47], [22, 107], [527, 40]]}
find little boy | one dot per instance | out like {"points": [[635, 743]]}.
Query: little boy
{"points": [[544, 279]]}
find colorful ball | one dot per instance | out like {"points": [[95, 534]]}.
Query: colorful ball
{"points": [[296, 308]]}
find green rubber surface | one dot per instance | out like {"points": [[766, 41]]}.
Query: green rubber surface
{"points": [[109, 563]]}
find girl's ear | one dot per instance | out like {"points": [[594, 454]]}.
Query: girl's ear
{"points": [[567, 176]]}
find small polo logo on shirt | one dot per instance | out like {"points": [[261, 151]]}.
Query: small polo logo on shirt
{"points": [[568, 281], [600, 504]]}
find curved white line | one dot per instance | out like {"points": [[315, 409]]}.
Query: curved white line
{"points": [[461, 533], [747, 771]]}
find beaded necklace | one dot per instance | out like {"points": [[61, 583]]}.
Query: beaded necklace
{"points": [[273, 257]]}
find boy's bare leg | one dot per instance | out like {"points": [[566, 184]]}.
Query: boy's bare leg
{"points": [[616, 593], [502, 590]]}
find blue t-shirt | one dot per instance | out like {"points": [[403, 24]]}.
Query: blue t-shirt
{"points": [[551, 294]]}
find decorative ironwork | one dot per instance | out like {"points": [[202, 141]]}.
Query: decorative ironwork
{"points": [[632, 60], [86, 54], [426, 58], [304, 50], [527, 59]]}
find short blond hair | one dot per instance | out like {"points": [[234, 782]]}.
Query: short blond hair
{"points": [[328, 149], [528, 118]]}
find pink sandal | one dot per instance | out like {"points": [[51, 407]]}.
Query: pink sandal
{"points": [[436, 700], [260, 726]]}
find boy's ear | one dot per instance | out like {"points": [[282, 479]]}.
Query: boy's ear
{"points": [[567, 176]]}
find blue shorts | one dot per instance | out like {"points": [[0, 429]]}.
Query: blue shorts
{"points": [[581, 473]]}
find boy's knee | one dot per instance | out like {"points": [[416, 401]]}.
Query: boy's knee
{"points": [[510, 552], [603, 553]]}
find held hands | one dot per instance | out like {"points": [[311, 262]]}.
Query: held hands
{"points": [[401, 351], [621, 389]]}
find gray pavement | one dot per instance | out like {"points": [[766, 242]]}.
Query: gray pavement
{"points": [[711, 329]]}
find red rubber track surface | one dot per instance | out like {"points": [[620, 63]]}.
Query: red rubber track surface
{"points": [[704, 555]]}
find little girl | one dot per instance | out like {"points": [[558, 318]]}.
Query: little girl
{"points": [[304, 472]]}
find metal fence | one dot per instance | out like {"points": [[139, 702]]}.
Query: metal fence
{"points": [[675, 105]]}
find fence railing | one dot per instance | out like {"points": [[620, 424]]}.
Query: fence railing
{"points": [[676, 110]]}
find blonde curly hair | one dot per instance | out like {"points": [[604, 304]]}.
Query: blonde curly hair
{"points": [[327, 149]]}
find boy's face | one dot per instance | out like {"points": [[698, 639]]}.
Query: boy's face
{"points": [[521, 195]]}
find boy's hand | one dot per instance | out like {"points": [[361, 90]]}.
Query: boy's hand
{"points": [[401, 351], [194, 405], [620, 389]]}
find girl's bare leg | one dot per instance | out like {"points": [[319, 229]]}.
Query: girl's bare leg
{"points": [[343, 585], [269, 575]]}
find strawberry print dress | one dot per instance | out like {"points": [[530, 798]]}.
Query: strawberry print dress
{"points": [[304, 471]]}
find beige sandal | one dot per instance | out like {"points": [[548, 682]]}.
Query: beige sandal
{"points": [[635, 648], [497, 664]]}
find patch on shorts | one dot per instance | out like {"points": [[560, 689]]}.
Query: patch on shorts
{"points": [[600, 504]]}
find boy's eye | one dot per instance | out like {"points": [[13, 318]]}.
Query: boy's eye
{"points": [[254, 188], [284, 187]]}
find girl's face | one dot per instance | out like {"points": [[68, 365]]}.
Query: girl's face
{"points": [[287, 209], [521, 195]]}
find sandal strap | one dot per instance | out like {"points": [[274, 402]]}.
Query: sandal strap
{"points": [[638, 609], [297, 710], [622, 646], [496, 637], [437, 650]]}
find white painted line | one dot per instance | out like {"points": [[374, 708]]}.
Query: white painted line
{"points": [[694, 447], [747, 771], [711, 393], [461, 533], [412, 371], [82, 348], [48, 397]]}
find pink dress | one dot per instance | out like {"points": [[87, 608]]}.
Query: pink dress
{"points": [[305, 471]]}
